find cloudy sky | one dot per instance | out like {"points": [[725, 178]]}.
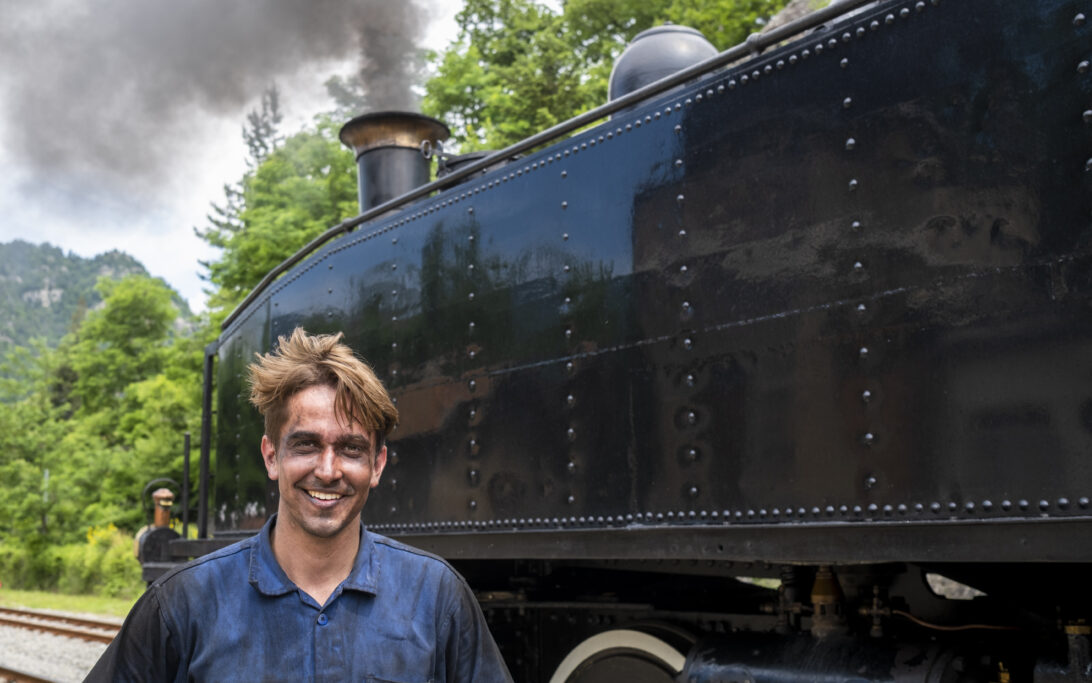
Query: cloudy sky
{"points": [[120, 119]]}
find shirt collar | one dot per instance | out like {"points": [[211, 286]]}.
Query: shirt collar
{"points": [[268, 578]]}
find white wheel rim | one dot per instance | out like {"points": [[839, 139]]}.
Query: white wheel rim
{"points": [[621, 640]]}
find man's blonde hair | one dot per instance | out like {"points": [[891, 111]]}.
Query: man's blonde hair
{"points": [[301, 361]]}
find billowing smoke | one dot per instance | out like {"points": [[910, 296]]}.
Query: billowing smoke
{"points": [[116, 86]]}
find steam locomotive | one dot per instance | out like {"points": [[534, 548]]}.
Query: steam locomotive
{"points": [[748, 380]]}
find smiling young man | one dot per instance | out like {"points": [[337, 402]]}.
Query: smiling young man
{"points": [[313, 596]]}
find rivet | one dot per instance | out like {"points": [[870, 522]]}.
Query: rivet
{"points": [[934, 506], [755, 75], [568, 334], [843, 509], [472, 384], [846, 37], [863, 352], [844, 63], [564, 205], [1063, 503], [566, 268], [565, 236], [473, 413], [1088, 165], [394, 318], [805, 54], [861, 308], [832, 43], [904, 12], [679, 199], [768, 70], [1044, 505], [847, 103], [570, 500], [732, 84], [693, 492], [1082, 67], [678, 163], [687, 309], [866, 395], [952, 507], [1083, 501], [688, 343], [856, 225], [1087, 115], [889, 19], [682, 268], [394, 266], [858, 266], [678, 129], [1006, 504], [569, 367], [868, 439], [472, 353], [918, 507], [1078, 20], [571, 467], [471, 238], [743, 80], [861, 31], [1024, 505], [919, 5], [874, 25], [793, 59], [969, 506], [473, 504], [394, 240], [987, 505], [471, 325], [470, 296], [870, 482], [330, 290], [691, 454], [470, 210], [682, 232], [851, 144], [691, 417], [394, 346], [470, 266], [853, 185], [690, 380], [720, 89], [887, 509]]}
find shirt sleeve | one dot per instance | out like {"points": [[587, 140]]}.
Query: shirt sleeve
{"points": [[470, 653], [143, 649]]}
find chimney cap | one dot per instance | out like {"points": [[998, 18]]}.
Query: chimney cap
{"points": [[163, 497], [391, 129]]}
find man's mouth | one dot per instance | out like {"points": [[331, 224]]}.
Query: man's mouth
{"points": [[322, 495]]}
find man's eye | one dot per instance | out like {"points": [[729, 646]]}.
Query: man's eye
{"points": [[352, 451]]}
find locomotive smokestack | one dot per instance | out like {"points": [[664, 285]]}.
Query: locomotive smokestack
{"points": [[391, 153]]}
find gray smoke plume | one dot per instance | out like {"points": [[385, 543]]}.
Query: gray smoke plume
{"points": [[116, 86]]}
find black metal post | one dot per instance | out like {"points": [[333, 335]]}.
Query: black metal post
{"points": [[186, 487], [206, 443]]}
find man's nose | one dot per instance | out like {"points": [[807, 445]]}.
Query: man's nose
{"points": [[327, 467]]}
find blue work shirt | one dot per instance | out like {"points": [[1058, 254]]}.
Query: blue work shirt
{"points": [[402, 615]]}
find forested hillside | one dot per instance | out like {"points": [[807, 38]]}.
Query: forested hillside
{"points": [[45, 292]]}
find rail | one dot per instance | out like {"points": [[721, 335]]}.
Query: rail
{"points": [[754, 45], [71, 627]]}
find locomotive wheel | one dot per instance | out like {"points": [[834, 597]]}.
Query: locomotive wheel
{"points": [[621, 655]]}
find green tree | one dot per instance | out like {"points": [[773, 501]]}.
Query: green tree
{"points": [[519, 67], [301, 189]]}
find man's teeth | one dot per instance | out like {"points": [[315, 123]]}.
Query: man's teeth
{"points": [[323, 496]]}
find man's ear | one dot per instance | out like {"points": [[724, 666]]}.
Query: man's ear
{"points": [[380, 463], [269, 456]]}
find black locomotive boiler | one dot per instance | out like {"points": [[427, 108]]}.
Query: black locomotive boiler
{"points": [[726, 387]]}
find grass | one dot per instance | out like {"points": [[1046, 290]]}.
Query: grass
{"points": [[90, 604]]}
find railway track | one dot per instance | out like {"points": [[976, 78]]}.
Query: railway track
{"points": [[15, 676], [71, 627]]}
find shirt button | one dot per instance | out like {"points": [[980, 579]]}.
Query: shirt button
{"points": [[322, 620]]}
